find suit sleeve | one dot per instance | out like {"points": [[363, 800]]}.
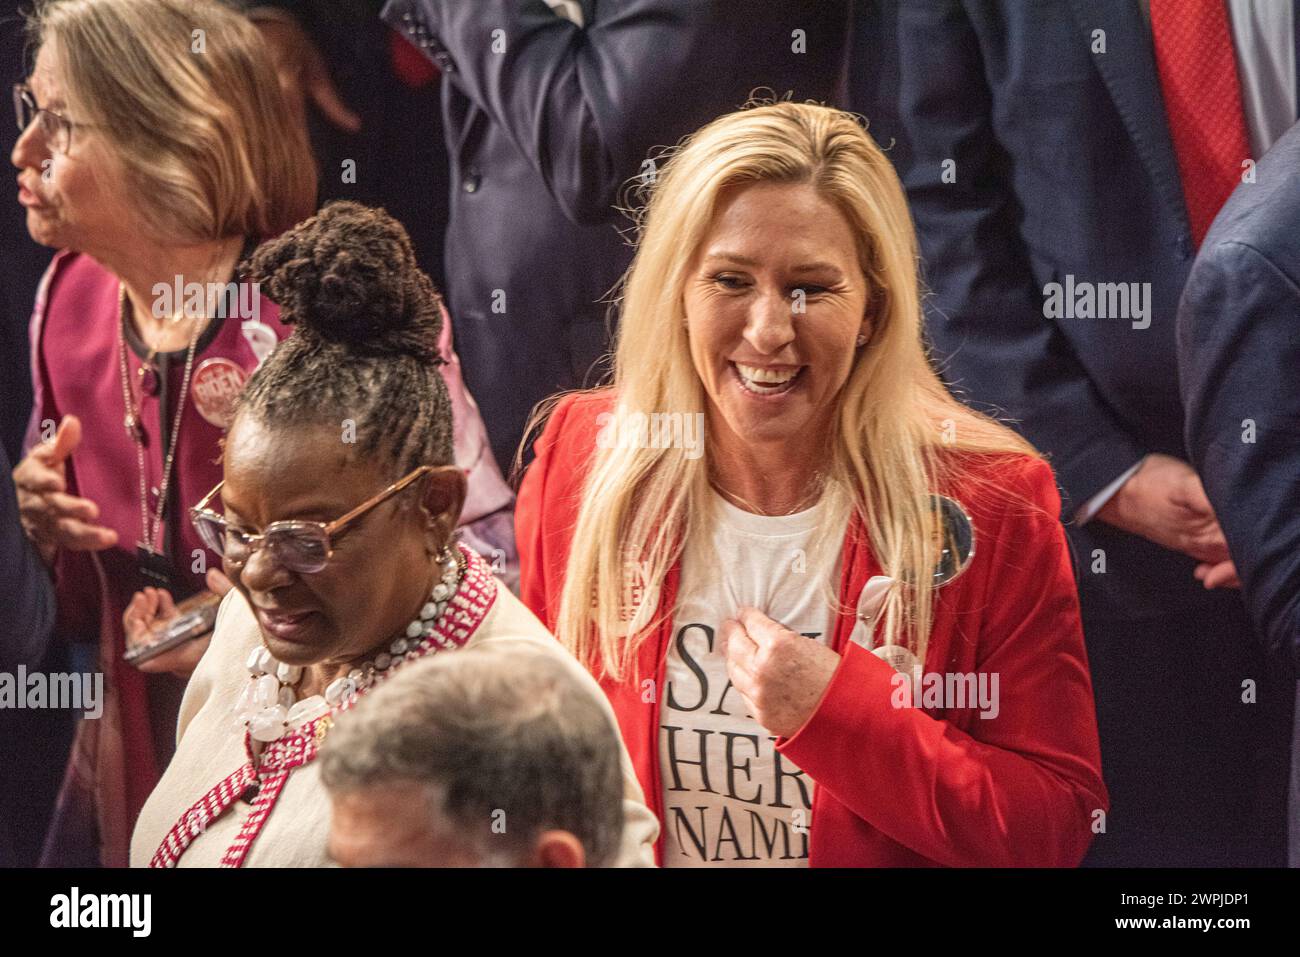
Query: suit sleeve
{"points": [[28, 601], [985, 316], [583, 104], [1022, 787], [26, 596], [1238, 352]]}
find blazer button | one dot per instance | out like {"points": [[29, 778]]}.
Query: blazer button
{"points": [[471, 180]]}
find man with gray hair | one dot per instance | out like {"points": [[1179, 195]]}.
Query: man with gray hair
{"points": [[486, 757]]}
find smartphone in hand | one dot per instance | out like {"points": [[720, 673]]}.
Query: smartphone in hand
{"points": [[195, 618]]}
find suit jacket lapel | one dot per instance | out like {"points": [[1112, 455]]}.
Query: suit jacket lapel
{"points": [[1129, 69]]}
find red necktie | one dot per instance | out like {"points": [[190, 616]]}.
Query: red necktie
{"points": [[1198, 77], [409, 64]]}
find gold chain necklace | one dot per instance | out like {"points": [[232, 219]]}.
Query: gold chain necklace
{"points": [[148, 530], [807, 502]]}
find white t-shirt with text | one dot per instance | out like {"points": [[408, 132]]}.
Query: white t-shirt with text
{"points": [[729, 799]]}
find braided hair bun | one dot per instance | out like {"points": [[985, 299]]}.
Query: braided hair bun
{"points": [[364, 350], [348, 276]]}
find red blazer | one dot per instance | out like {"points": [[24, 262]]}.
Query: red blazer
{"points": [[897, 786]]}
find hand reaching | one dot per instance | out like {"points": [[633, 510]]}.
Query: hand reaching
{"points": [[51, 517]]}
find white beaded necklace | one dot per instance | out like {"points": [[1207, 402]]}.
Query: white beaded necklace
{"points": [[268, 708]]}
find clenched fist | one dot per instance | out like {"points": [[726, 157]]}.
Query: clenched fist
{"points": [[781, 674]]}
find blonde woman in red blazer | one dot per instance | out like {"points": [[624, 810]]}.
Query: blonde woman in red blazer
{"points": [[728, 537]]}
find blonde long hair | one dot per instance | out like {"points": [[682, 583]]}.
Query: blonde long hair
{"points": [[894, 423], [190, 102]]}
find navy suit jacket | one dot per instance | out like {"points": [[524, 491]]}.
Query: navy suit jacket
{"points": [[33, 742], [1239, 358], [546, 122], [1062, 166], [26, 597]]}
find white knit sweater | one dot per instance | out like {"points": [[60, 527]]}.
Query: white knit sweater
{"points": [[296, 833]]}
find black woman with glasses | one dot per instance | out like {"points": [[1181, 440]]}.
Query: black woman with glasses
{"points": [[335, 519], [152, 160]]}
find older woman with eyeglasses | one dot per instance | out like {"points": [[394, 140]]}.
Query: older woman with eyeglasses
{"points": [[154, 189], [156, 150], [335, 521]]}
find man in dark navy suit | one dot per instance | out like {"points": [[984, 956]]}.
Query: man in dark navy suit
{"points": [[370, 110], [549, 110], [1063, 160], [1239, 364], [548, 113]]}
